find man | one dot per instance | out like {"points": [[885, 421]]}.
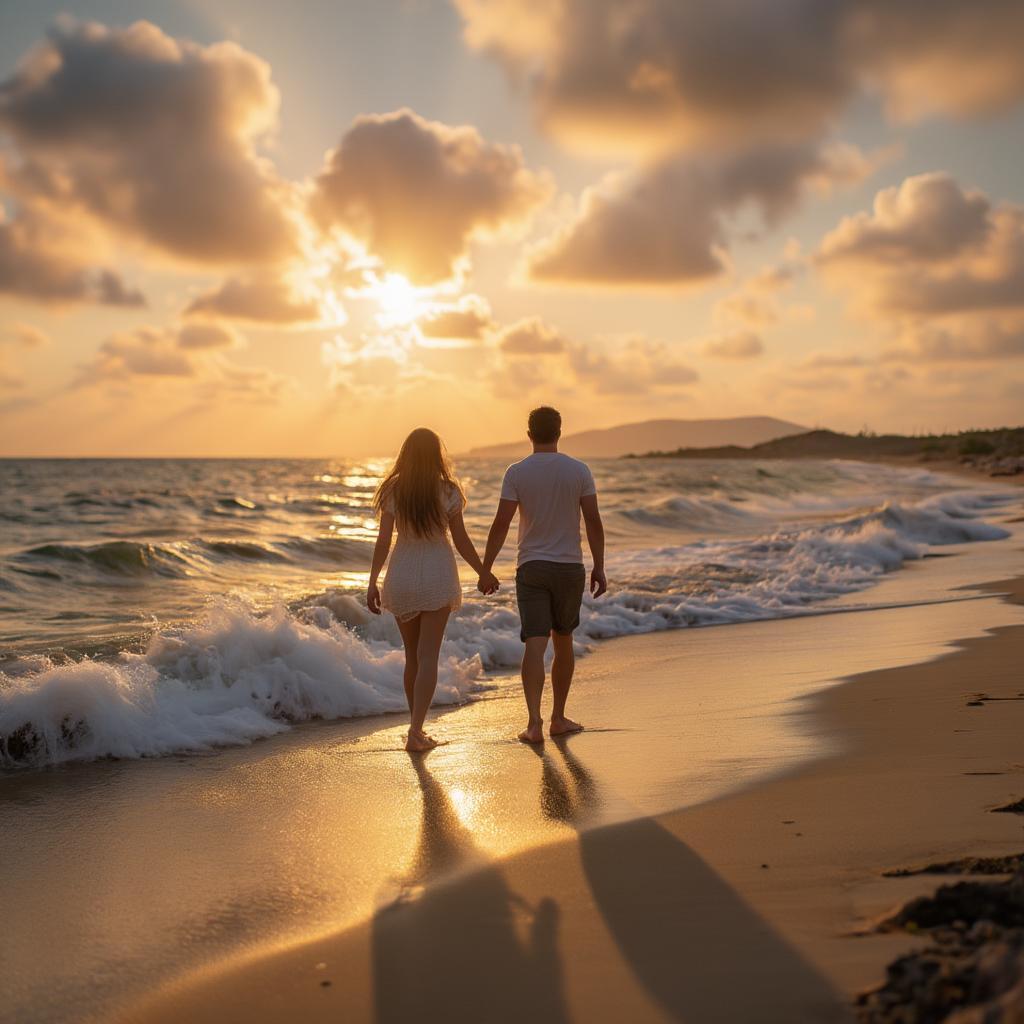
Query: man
{"points": [[549, 489]]}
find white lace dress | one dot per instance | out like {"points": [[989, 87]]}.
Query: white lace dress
{"points": [[422, 575]]}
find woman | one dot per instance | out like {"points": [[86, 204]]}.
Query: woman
{"points": [[422, 497]]}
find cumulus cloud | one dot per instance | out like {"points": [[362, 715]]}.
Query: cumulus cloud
{"points": [[468, 320], [734, 345], [152, 136], [535, 357], [531, 336], [35, 265], [417, 192], [930, 247], [145, 352], [665, 225], [927, 218], [938, 265], [192, 355], [264, 298], [660, 74], [205, 337]]}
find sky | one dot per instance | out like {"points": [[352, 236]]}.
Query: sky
{"points": [[245, 228]]}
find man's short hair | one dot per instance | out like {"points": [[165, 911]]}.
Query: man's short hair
{"points": [[545, 424]]}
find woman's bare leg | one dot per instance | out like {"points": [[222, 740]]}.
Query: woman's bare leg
{"points": [[410, 630], [432, 626]]}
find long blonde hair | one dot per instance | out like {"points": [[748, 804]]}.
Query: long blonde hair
{"points": [[415, 483]]}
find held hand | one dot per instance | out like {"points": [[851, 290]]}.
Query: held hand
{"points": [[373, 598], [598, 582], [488, 583]]}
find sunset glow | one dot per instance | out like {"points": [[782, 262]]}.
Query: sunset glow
{"points": [[347, 217]]}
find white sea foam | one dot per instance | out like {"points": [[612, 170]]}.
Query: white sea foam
{"points": [[239, 675], [231, 679]]}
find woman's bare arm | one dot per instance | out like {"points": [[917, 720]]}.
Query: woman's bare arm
{"points": [[464, 546], [380, 556]]}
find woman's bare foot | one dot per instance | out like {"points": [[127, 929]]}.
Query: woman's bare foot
{"points": [[417, 742], [561, 726], [532, 733]]}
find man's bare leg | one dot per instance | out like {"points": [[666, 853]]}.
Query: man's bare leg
{"points": [[561, 679], [533, 687]]}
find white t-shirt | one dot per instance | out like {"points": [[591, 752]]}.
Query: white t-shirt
{"points": [[548, 487]]}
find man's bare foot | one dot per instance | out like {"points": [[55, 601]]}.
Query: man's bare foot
{"points": [[562, 726], [419, 741], [532, 733]]}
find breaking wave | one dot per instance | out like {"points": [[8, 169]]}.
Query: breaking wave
{"points": [[239, 674]]}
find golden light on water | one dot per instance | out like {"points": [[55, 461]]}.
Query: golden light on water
{"points": [[353, 527]]}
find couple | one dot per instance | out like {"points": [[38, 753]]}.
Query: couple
{"points": [[424, 500]]}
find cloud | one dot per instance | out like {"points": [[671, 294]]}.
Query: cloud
{"points": [[756, 304], [942, 56], [417, 192], [247, 383], [145, 352], [153, 137], [190, 354], [468, 320], [25, 336], [925, 219], [204, 337], [535, 357], [374, 364], [531, 336], [636, 366], [832, 361], [17, 336], [929, 247], [36, 265], [965, 340], [668, 74], [734, 345], [666, 225], [826, 374], [265, 298], [939, 267]]}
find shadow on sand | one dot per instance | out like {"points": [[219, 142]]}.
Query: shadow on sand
{"points": [[697, 948], [469, 949]]}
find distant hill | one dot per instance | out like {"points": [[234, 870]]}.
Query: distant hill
{"points": [[1000, 451], [659, 434]]}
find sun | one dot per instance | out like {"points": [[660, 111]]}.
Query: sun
{"points": [[400, 301]]}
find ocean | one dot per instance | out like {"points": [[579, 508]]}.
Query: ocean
{"points": [[152, 607]]}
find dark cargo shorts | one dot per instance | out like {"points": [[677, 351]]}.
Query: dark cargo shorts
{"points": [[549, 596]]}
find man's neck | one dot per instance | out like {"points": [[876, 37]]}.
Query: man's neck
{"points": [[553, 447]]}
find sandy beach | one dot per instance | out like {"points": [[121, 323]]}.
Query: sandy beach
{"points": [[557, 884], [370, 370]]}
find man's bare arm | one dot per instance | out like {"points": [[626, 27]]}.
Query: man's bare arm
{"points": [[499, 531], [595, 538]]}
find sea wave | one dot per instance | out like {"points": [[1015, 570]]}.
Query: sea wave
{"points": [[182, 558], [233, 678], [239, 675]]}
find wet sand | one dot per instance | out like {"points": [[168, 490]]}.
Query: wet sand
{"points": [[594, 906]]}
